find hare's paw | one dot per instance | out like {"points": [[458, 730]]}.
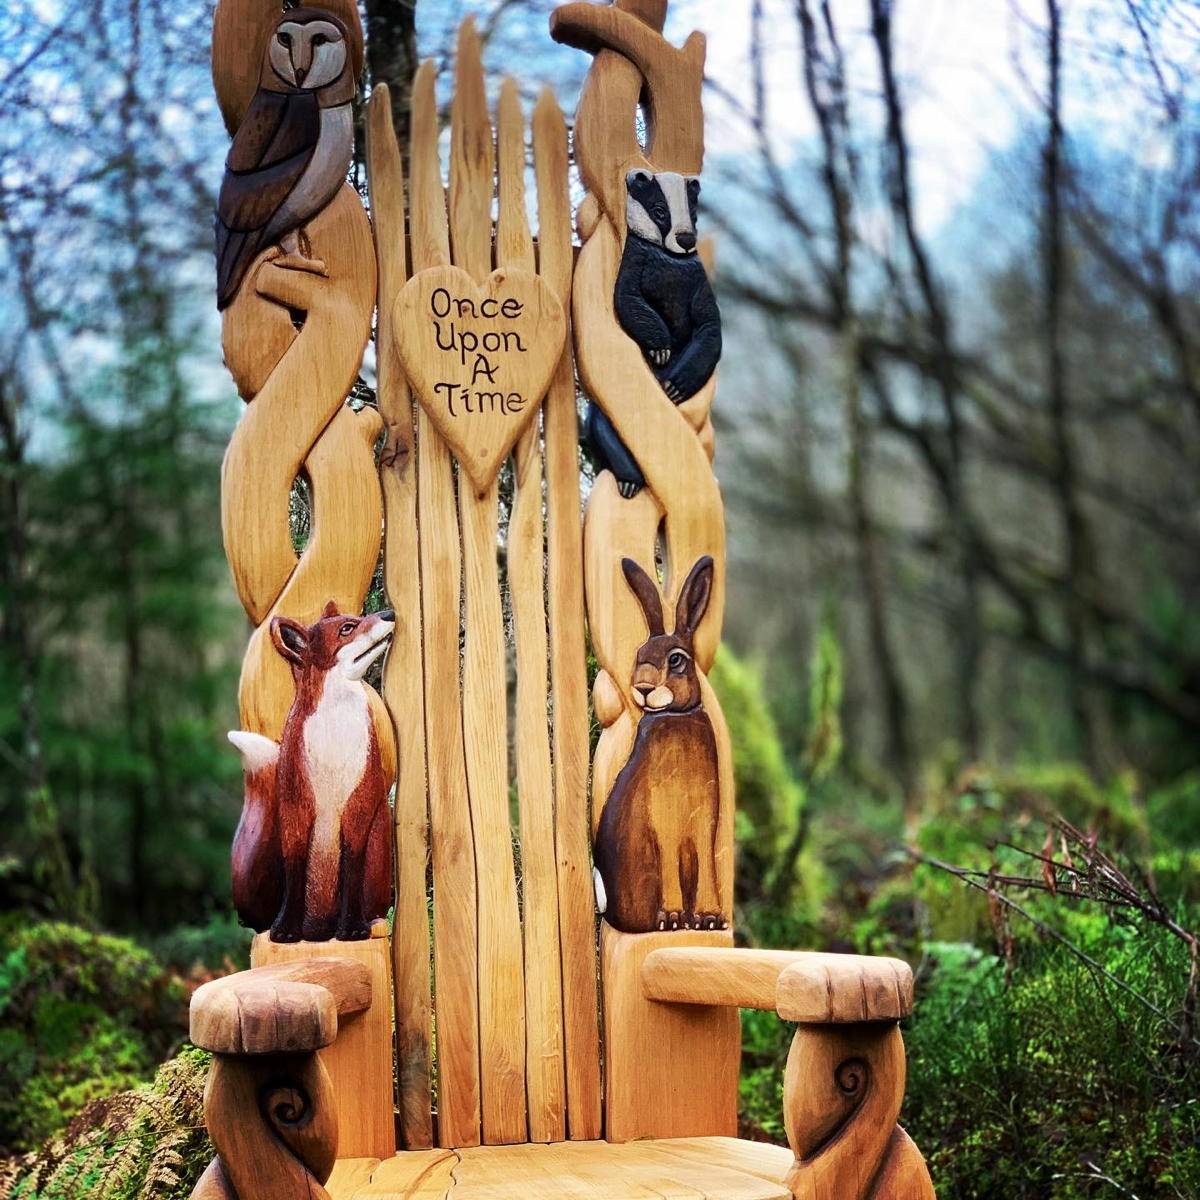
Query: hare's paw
{"points": [[669, 919]]}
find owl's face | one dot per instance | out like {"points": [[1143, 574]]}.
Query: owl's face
{"points": [[307, 54]]}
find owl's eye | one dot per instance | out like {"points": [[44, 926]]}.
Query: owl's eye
{"points": [[677, 660], [347, 629], [285, 39], [319, 40]]}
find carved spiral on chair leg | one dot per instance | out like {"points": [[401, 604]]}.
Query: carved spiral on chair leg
{"points": [[272, 1119], [852, 1077], [283, 1103], [842, 1094]]}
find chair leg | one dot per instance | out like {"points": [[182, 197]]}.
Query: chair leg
{"points": [[273, 1120], [842, 1093]]}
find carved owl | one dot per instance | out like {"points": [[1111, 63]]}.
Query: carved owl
{"points": [[291, 152]]}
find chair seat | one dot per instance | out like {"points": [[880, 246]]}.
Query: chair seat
{"points": [[709, 1168]]}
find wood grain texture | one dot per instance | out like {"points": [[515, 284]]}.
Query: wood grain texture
{"points": [[671, 1069], [455, 897], [568, 655], [284, 1008], [480, 358], [485, 705], [403, 675], [359, 1061], [272, 1120], [544, 1066], [417, 1175], [842, 1093], [800, 985]]}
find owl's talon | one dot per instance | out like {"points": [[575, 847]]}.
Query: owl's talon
{"points": [[298, 262]]}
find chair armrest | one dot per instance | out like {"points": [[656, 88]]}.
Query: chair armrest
{"points": [[801, 985], [286, 1009]]}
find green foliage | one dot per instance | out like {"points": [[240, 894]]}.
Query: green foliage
{"points": [[220, 944], [145, 1144], [82, 1015], [770, 799], [1039, 1080]]}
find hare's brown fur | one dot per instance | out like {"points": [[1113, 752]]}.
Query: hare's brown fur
{"points": [[656, 843]]}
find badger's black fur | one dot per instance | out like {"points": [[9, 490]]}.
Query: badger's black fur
{"points": [[665, 302]]}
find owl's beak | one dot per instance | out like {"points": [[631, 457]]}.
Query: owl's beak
{"points": [[301, 57]]}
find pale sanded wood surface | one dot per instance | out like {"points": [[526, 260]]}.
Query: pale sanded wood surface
{"points": [[544, 1067], [403, 674], [288, 1007], [671, 1070], [455, 935], [801, 985], [359, 1060], [710, 1168], [480, 357], [568, 674], [485, 704]]}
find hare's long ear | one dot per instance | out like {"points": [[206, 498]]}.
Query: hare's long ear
{"points": [[647, 593], [693, 599], [290, 638]]}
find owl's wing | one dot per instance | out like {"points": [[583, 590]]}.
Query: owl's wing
{"points": [[271, 150]]}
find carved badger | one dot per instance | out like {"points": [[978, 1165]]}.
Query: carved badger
{"points": [[664, 301], [312, 856]]}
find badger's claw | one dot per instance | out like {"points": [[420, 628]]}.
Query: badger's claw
{"points": [[628, 490], [673, 393], [660, 358]]}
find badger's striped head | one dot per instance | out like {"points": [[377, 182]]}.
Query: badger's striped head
{"points": [[661, 208]]}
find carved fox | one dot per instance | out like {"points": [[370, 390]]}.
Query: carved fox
{"points": [[655, 848], [312, 856]]}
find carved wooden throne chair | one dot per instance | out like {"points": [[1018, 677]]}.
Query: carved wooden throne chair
{"points": [[498, 1038]]}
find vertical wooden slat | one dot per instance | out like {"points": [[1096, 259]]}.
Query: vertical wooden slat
{"points": [[455, 937], [485, 716], [403, 675], [535, 789], [568, 670]]}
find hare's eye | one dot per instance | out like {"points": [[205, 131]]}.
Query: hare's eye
{"points": [[347, 629], [677, 660]]}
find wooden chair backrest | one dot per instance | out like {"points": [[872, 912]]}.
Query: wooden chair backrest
{"points": [[513, 993]]}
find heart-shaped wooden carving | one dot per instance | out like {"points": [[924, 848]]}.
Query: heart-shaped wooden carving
{"points": [[479, 358]]}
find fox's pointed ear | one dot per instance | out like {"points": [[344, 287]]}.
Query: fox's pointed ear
{"points": [[693, 599], [331, 609], [645, 589], [290, 638]]}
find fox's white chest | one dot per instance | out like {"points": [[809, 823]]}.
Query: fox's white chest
{"points": [[336, 744]]}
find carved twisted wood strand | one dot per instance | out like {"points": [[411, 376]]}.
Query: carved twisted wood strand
{"points": [[288, 1152], [841, 1094], [672, 444], [295, 382]]}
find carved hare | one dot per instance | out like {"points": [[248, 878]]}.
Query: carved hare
{"points": [[656, 842]]}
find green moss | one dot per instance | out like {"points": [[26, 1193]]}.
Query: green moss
{"points": [[85, 1015]]}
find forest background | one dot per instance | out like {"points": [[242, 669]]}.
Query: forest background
{"points": [[959, 439]]}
